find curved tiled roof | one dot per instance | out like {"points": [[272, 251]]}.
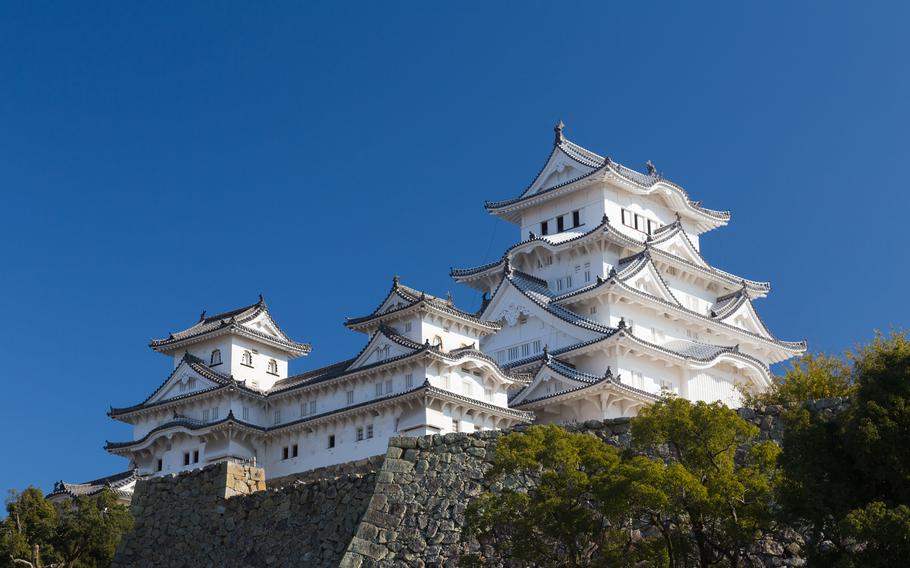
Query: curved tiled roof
{"points": [[88, 488], [183, 422], [603, 165], [588, 381], [615, 279], [605, 228], [415, 298], [232, 320]]}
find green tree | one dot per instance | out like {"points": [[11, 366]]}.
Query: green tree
{"points": [[811, 377], [81, 533], [678, 498], [718, 505], [845, 477]]}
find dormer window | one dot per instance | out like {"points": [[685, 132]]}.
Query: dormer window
{"points": [[273, 366], [216, 358], [246, 359]]}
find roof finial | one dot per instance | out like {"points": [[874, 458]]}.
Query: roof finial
{"points": [[395, 280], [608, 374], [546, 353], [604, 220], [202, 315], [449, 297], [622, 323], [531, 235], [652, 171], [508, 266], [261, 299], [607, 161], [559, 138], [678, 218]]}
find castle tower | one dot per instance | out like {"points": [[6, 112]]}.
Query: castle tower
{"points": [[607, 300]]}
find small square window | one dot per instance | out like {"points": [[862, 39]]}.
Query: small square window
{"points": [[388, 386], [360, 434], [246, 413], [186, 458], [544, 225], [560, 224], [408, 380], [284, 453], [369, 430], [331, 440], [350, 397], [407, 326], [160, 464], [576, 218], [312, 407], [278, 416], [195, 456], [294, 451], [378, 390]]}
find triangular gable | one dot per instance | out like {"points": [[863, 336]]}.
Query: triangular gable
{"points": [[181, 377], [645, 277], [560, 168], [679, 245], [546, 382], [379, 348], [264, 324], [393, 301], [745, 317], [509, 305]]}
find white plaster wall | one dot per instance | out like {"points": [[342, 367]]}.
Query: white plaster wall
{"points": [[257, 374], [589, 202]]}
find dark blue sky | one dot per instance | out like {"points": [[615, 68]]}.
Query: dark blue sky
{"points": [[157, 159]]}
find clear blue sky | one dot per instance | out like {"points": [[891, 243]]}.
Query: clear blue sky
{"points": [[157, 159]]}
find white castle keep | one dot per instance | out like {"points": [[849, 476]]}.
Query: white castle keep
{"points": [[604, 304]]}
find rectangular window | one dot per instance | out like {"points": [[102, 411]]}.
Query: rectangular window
{"points": [[456, 427], [278, 416], [627, 218], [536, 345], [369, 430], [378, 387], [360, 434], [526, 350], [303, 409], [407, 326], [576, 218], [543, 228], [195, 456], [513, 353], [245, 413], [206, 415], [488, 395], [350, 397], [467, 388], [593, 310], [215, 413], [284, 453], [408, 381], [312, 407], [294, 451], [560, 224], [501, 356], [641, 223], [186, 458], [160, 464], [568, 281], [388, 386], [558, 284], [549, 260], [331, 440], [191, 384]]}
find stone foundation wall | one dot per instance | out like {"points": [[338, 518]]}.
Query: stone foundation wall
{"points": [[223, 516], [405, 509]]}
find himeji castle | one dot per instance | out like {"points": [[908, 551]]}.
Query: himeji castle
{"points": [[603, 305]]}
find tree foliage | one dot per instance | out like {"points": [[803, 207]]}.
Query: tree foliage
{"points": [[847, 477], [80, 533], [811, 377], [594, 506]]}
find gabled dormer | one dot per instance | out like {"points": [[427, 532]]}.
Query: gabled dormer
{"points": [[422, 318], [246, 344]]}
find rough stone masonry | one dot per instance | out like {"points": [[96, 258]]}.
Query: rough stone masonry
{"points": [[402, 509]]}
